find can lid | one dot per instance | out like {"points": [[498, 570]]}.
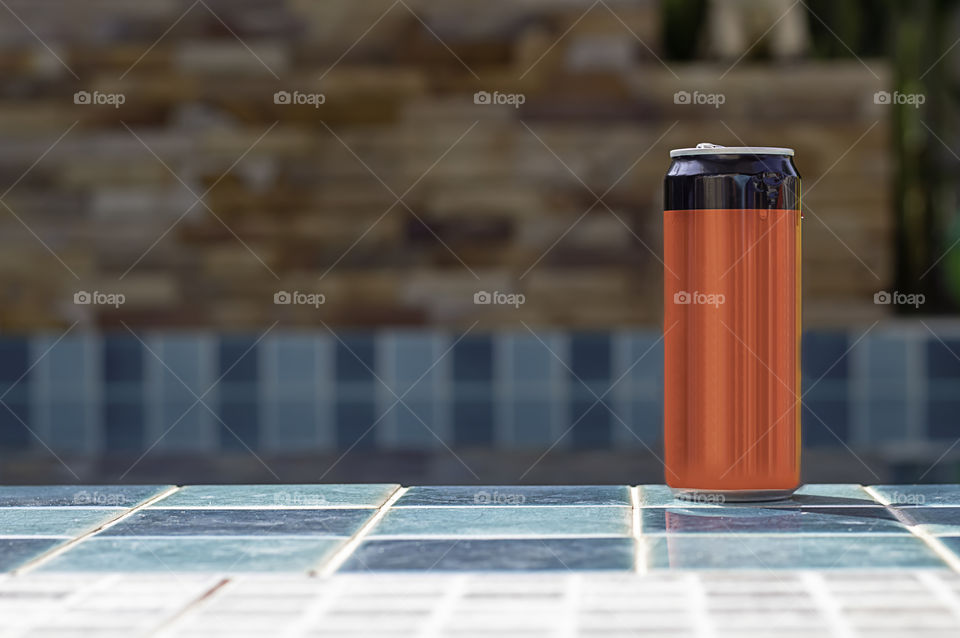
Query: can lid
{"points": [[705, 148]]}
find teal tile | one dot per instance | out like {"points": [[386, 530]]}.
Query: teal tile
{"points": [[490, 495], [194, 554], [17, 551], [813, 495], [504, 522], [550, 554], [929, 495], [770, 520], [242, 522], [279, 496], [789, 552], [53, 521], [78, 495]]}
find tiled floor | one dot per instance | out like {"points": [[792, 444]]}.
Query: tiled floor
{"points": [[605, 560]]}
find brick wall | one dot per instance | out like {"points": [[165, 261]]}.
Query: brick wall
{"points": [[299, 198]]}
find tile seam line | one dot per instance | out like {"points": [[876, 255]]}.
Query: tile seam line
{"points": [[204, 597], [340, 556], [64, 547], [935, 544]]}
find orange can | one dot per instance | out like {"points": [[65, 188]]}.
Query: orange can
{"points": [[731, 245]]}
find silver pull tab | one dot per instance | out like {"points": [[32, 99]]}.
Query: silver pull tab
{"points": [[708, 145]]}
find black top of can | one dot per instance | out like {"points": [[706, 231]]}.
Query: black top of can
{"points": [[706, 148]]}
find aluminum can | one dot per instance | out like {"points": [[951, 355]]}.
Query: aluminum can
{"points": [[731, 252]]}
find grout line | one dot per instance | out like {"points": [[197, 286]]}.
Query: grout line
{"points": [[341, 555], [639, 544], [934, 543], [178, 615], [60, 549]]}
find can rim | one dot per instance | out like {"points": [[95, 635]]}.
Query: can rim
{"points": [[732, 150]]}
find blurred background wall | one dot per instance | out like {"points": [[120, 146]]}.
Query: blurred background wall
{"points": [[255, 240]]}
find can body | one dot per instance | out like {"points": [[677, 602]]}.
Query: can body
{"points": [[732, 326]]}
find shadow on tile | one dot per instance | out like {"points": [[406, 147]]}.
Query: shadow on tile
{"points": [[493, 555], [941, 520], [813, 495]]}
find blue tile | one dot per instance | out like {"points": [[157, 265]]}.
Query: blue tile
{"points": [[14, 552], [166, 555], [122, 358], [316, 496], [510, 495], [355, 358], [123, 423], [942, 361], [930, 495], [413, 355], [833, 422], [240, 420], [649, 368], [887, 357], [240, 522], [939, 521], [14, 359], [593, 430], [888, 420], [473, 359], [532, 361], [65, 362], [410, 429], [238, 359], [590, 356], [13, 434], [693, 551], [354, 421], [62, 521], [493, 555], [124, 496], [70, 427], [499, 521], [296, 425], [943, 417], [532, 423], [296, 359], [823, 355], [473, 421], [770, 520]]}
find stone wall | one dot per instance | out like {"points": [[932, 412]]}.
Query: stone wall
{"points": [[304, 197]]}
